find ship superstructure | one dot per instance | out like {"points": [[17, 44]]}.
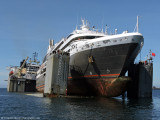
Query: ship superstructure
{"points": [[25, 70]]}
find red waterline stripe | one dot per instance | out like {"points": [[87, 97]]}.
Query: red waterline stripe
{"points": [[40, 86], [98, 75]]}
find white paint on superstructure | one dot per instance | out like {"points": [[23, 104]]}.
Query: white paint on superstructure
{"points": [[85, 39]]}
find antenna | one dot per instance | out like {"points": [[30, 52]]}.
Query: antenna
{"points": [[102, 30], [35, 55], [102, 23], [116, 31], [83, 22], [106, 32]]}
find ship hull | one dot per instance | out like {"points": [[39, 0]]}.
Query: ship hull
{"points": [[100, 71], [40, 83]]}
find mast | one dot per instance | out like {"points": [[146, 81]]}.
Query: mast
{"points": [[35, 55], [137, 24]]}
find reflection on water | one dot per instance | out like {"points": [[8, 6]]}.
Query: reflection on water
{"points": [[99, 108], [140, 109]]}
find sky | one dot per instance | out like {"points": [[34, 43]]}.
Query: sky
{"points": [[27, 25]]}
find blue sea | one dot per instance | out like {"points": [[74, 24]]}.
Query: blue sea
{"points": [[16, 106]]}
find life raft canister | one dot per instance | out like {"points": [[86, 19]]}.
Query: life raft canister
{"points": [[11, 73]]}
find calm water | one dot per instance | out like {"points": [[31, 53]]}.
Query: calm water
{"points": [[19, 106]]}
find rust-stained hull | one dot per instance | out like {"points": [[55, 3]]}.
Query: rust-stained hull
{"points": [[109, 87]]}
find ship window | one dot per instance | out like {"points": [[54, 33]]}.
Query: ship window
{"points": [[87, 45], [106, 41], [69, 36], [86, 37], [114, 40]]}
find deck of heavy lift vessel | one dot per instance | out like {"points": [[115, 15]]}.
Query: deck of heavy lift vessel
{"points": [[57, 69]]}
